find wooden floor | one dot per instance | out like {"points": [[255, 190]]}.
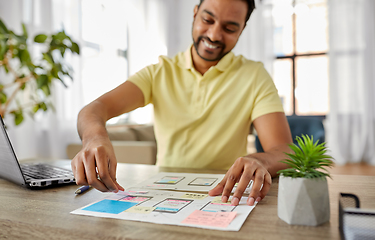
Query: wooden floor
{"points": [[353, 169]]}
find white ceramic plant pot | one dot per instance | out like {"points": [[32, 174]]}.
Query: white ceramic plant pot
{"points": [[303, 201]]}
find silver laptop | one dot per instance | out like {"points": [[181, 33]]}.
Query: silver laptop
{"points": [[31, 174]]}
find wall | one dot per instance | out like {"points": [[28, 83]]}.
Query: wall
{"points": [[180, 25]]}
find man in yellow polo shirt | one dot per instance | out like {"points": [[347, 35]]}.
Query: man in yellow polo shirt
{"points": [[206, 121], [205, 100]]}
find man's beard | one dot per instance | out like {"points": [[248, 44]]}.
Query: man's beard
{"points": [[220, 55]]}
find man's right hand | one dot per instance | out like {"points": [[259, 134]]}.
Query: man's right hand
{"points": [[96, 164]]}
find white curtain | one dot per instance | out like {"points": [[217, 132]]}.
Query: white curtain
{"points": [[256, 41], [351, 121]]}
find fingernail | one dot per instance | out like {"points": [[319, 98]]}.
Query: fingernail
{"points": [[224, 199], [235, 201], [250, 201], [258, 199]]}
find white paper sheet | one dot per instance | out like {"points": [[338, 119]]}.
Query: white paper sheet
{"points": [[195, 182], [170, 207]]}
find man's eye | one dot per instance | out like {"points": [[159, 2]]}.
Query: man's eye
{"points": [[230, 30], [205, 20]]}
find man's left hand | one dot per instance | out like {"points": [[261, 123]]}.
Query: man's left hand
{"points": [[242, 172]]}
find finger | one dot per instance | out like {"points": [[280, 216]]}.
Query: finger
{"points": [[79, 173], [266, 187], [112, 171], [246, 177], [91, 174], [119, 187], [255, 190], [219, 188], [232, 178], [73, 165], [102, 163]]}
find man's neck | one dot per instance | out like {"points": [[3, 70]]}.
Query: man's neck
{"points": [[200, 64]]}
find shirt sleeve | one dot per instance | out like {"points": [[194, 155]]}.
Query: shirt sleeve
{"points": [[143, 79], [267, 99]]}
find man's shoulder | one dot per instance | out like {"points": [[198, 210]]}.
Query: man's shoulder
{"points": [[245, 66], [175, 61], [240, 59], [166, 65]]}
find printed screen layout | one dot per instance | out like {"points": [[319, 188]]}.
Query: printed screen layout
{"points": [[218, 207], [169, 180], [172, 205], [203, 181], [135, 199]]}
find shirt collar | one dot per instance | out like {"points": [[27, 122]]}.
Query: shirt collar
{"points": [[222, 65]]}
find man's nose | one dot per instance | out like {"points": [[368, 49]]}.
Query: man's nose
{"points": [[215, 33]]}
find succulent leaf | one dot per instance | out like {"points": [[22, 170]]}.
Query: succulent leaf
{"points": [[308, 160]]}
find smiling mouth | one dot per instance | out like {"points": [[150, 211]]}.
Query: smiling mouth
{"points": [[208, 45], [208, 50]]}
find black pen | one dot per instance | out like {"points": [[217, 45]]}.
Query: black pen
{"points": [[82, 189]]}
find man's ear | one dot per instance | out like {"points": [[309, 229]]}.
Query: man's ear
{"points": [[195, 11]]}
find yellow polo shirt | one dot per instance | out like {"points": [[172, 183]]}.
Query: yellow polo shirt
{"points": [[203, 121]]}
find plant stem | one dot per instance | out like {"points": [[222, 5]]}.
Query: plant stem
{"points": [[30, 104], [19, 81], [4, 109]]}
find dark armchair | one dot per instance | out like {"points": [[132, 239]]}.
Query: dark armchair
{"points": [[310, 125]]}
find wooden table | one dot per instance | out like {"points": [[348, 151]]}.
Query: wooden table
{"points": [[45, 214]]}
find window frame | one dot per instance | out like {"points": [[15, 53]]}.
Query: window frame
{"points": [[293, 57]]}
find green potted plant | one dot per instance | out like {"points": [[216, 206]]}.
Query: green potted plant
{"points": [[303, 197], [26, 86]]}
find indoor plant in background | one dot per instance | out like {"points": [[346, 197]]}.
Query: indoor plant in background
{"points": [[26, 86], [303, 197]]}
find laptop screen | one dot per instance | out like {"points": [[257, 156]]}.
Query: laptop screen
{"points": [[10, 168]]}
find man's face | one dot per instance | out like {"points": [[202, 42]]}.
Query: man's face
{"points": [[217, 26]]}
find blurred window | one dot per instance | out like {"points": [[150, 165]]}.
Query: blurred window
{"points": [[301, 64], [104, 48]]}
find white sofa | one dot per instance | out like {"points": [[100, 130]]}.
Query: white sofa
{"points": [[131, 143]]}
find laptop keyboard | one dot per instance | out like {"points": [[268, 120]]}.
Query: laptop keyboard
{"points": [[43, 171]]}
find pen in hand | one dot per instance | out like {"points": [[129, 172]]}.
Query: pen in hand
{"points": [[82, 189]]}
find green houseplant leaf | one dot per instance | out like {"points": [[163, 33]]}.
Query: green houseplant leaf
{"points": [[308, 160], [41, 38], [18, 116], [25, 34], [3, 97], [3, 28], [75, 48], [32, 78]]}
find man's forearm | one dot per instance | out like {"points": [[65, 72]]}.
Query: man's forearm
{"points": [[91, 121]]}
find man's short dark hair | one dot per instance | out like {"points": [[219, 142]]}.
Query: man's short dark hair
{"points": [[250, 7]]}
